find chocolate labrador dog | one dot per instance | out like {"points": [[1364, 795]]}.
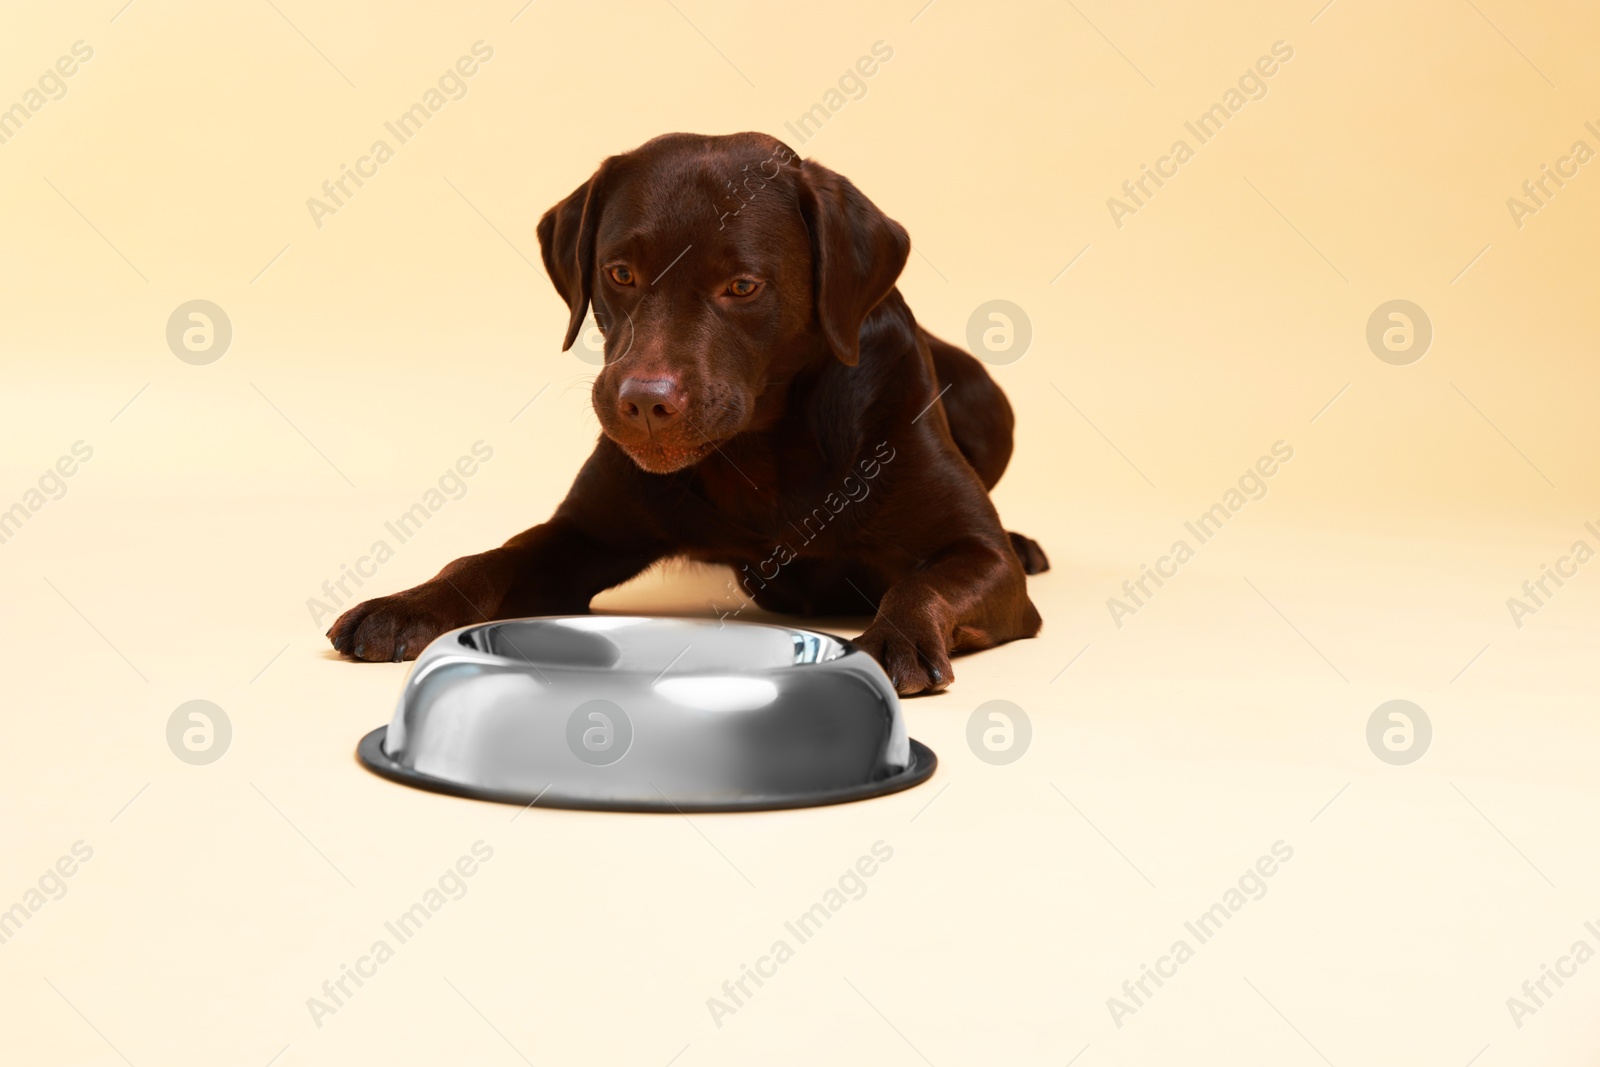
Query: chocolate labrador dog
{"points": [[767, 402]]}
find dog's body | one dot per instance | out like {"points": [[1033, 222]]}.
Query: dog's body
{"points": [[768, 402]]}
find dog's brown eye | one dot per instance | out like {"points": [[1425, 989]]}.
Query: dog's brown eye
{"points": [[743, 286], [621, 275]]}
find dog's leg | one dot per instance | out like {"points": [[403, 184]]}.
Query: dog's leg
{"points": [[552, 569], [600, 536], [970, 596]]}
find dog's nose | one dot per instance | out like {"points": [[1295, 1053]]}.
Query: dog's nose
{"points": [[650, 404]]}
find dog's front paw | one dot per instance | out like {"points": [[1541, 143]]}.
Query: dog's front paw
{"points": [[398, 627], [912, 654]]}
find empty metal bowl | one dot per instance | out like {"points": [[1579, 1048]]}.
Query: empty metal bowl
{"points": [[619, 713]]}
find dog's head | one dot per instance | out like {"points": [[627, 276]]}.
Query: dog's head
{"points": [[718, 267]]}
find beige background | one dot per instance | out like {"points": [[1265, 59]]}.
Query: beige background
{"points": [[1228, 714]]}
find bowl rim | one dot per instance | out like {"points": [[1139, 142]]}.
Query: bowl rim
{"points": [[370, 753], [848, 647]]}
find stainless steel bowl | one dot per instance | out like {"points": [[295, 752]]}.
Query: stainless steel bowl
{"points": [[622, 713]]}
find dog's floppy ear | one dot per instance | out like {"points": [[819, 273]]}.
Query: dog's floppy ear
{"points": [[566, 241], [857, 252]]}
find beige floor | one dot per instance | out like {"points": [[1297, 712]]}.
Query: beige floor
{"points": [[1167, 758], [1225, 719]]}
